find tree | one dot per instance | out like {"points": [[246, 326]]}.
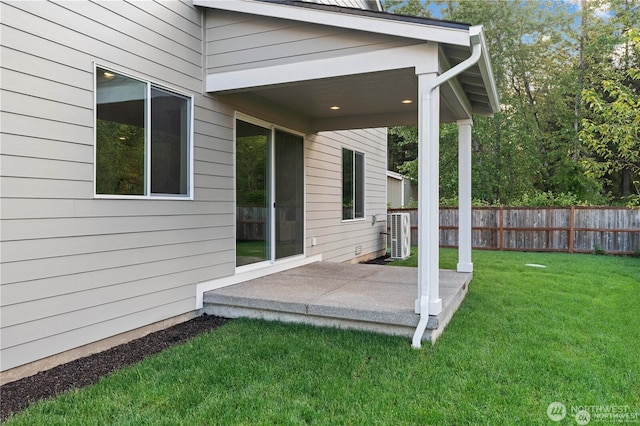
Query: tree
{"points": [[544, 55], [407, 7], [402, 148], [119, 158], [251, 157], [612, 130]]}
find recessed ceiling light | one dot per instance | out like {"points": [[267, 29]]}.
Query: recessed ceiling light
{"points": [[407, 101], [108, 74], [335, 107]]}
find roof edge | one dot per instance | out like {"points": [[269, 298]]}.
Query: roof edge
{"points": [[395, 175], [484, 64], [373, 13], [355, 19]]}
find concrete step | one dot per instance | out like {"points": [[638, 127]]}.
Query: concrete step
{"points": [[363, 297]]}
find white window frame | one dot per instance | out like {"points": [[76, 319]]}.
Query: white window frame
{"points": [[147, 148], [364, 184]]}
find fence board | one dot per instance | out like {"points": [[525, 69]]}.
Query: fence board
{"points": [[615, 230], [250, 223]]}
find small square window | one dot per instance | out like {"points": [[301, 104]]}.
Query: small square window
{"points": [[352, 184], [143, 138]]}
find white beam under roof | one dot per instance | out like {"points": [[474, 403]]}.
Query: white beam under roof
{"points": [[381, 60], [373, 24]]}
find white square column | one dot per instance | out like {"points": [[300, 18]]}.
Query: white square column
{"points": [[464, 196], [428, 301]]}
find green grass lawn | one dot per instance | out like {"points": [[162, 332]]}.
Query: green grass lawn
{"points": [[251, 248], [524, 337]]}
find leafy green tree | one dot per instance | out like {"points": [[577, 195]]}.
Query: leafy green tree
{"points": [[402, 147], [119, 158], [407, 7], [545, 54], [251, 157], [612, 129], [528, 142]]}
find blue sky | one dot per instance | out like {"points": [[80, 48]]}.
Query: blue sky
{"points": [[570, 6]]}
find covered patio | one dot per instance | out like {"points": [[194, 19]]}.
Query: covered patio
{"points": [[375, 298], [329, 68]]}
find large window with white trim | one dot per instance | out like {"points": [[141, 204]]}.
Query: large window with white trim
{"points": [[143, 138], [352, 184]]}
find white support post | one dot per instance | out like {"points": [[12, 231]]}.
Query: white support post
{"points": [[428, 302], [464, 196]]}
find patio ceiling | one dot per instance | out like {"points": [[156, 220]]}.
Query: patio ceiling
{"points": [[369, 88], [364, 100], [383, 98]]}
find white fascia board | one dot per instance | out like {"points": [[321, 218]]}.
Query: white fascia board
{"points": [[394, 175], [421, 56], [485, 69], [455, 86], [341, 20]]}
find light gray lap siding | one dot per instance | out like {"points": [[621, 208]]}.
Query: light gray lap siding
{"points": [[142, 314], [236, 41], [77, 269], [337, 239]]}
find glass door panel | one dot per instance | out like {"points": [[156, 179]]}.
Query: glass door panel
{"points": [[253, 198], [289, 194]]}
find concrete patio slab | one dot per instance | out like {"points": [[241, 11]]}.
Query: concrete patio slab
{"points": [[364, 297]]}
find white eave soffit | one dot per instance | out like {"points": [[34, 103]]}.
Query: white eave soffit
{"points": [[371, 24]]}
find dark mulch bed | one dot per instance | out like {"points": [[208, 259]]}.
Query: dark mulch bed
{"points": [[18, 395], [382, 260]]}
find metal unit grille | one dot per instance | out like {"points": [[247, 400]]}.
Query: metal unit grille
{"points": [[400, 235]]}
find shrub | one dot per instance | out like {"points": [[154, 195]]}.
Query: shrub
{"points": [[598, 250]]}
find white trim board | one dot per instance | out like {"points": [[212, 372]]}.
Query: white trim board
{"points": [[422, 57], [240, 277]]}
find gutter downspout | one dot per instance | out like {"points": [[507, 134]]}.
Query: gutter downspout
{"points": [[476, 41]]}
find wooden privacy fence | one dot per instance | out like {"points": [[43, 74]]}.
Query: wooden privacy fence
{"points": [[615, 230], [250, 223]]}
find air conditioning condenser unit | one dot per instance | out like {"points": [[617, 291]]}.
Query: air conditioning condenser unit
{"points": [[400, 235]]}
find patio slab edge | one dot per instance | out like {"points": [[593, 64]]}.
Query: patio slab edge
{"points": [[329, 308]]}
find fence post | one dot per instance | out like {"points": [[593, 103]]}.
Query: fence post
{"points": [[501, 236], [572, 217]]}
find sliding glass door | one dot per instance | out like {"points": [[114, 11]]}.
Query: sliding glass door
{"points": [[269, 194], [253, 233], [289, 194]]}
